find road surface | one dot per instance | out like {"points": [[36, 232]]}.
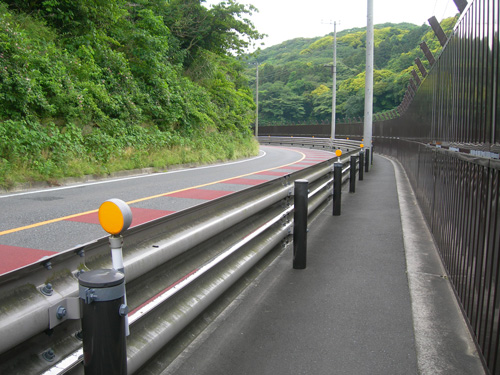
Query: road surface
{"points": [[38, 223]]}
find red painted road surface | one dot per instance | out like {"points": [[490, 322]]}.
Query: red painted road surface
{"points": [[13, 257]]}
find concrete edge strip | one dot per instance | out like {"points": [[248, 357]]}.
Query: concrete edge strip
{"points": [[443, 340]]}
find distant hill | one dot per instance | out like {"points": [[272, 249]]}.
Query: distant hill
{"points": [[295, 77]]}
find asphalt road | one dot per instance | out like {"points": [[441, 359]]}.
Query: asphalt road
{"points": [[40, 222]]}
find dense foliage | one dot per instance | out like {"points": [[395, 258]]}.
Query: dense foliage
{"points": [[295, 77], [86, 82]]}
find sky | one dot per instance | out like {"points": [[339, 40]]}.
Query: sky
{"points": [[288, 19]]}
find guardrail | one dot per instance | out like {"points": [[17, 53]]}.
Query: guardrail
{"points": [[352, 130], [177, 267], [312, 142]]}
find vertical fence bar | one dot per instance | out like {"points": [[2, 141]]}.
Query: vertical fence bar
{"points": [[367, 160], [300, 200]]}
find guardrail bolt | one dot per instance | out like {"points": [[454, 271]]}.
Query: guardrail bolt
{"points": [[79, 272], [79, 335], [61, 312], [48, 265], [49, 355], [47, 289], [123, 310], [81, 253]]}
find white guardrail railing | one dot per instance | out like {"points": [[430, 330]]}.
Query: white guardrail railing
{"points": [[177, 267]]}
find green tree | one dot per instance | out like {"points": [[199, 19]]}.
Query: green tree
{"points": [[279, 103], [305, 64], [221, 29], [74, 17]]}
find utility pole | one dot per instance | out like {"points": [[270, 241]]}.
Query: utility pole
{"points": [[367, 129], [334, 78], [334, 85], [257, 103]]}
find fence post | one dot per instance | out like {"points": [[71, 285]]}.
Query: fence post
{"points": [[102, 296], [352, 179], [300, 201], [361, 164], [337, 187]]}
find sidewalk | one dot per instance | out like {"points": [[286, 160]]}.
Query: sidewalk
{"points": [[367, 303]]}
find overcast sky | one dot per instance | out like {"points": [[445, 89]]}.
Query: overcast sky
{"points": [[288, 19]]}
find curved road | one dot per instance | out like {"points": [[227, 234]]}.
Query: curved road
{"points": [[38, 223]]}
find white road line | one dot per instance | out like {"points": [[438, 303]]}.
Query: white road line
{"points": [[261, 155]]}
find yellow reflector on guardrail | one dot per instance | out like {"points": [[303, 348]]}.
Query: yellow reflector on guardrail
{"points": [[115, 216]]}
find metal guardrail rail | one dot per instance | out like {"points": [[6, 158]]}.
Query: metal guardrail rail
{"points": [[312, 142], [351, 131], [176, 268]]}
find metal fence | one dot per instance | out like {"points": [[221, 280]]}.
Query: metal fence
{"points": [[448, 140], [457, 104], [459, 196]]}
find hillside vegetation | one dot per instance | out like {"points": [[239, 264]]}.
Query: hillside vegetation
{"points": [[94, 86], [295, 77]]}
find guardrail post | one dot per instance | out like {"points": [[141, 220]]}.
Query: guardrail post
{"points": [[115, 217], [352, 176], [300, 201], [367, 160], [102, 295], [337, 187], [361, 164]]}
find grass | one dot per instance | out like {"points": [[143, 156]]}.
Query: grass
{"points": [[204, 150]]}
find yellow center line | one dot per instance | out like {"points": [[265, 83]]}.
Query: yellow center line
{"points": [[42, 223]]}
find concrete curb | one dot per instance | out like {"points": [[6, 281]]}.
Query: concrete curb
{"points": [[442, 337]]}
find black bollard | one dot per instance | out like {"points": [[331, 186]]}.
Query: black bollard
{"points": [[102, 295], [361, 164], [337, 188], [352, 176], [367, 160], [300, 201]]}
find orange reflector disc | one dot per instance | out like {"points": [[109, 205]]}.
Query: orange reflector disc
{"points": [[115, 216]]}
